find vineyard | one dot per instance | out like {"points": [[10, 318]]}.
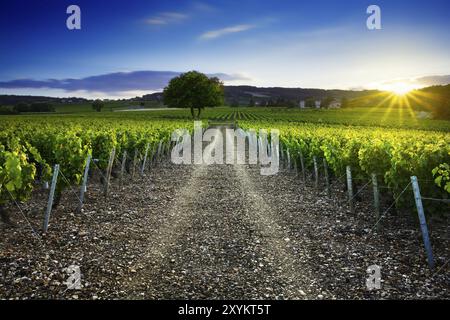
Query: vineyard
{"points": [[156, 226], [223, 159], [30, 148], [392, 155], [370, 117]]}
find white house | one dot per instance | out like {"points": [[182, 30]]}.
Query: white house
{"points": [[318, 104], [335, 104], [301, 104]]}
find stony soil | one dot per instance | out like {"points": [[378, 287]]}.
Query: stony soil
{"points": [[217, 232]]}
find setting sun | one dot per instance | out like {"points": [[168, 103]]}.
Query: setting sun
{"points": [[399, 88]]}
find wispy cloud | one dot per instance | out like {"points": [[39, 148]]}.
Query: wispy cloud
{"points": [[164, 18], [213, 34], [204, 7], [434, 80], [111, 82], [419, 82]]}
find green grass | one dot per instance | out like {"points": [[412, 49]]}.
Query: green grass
{"points": [[87, 107], [378, 117], [394, 118]]}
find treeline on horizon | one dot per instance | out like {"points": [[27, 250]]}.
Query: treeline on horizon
{"points": [[23, 107]]}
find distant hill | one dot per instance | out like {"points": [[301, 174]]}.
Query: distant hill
{"points": [[243, 95], [10, 100], [435, 99], [276, 95]]}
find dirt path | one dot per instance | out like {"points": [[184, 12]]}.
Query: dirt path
{"points": [[228, 249], [254, 237], [224, 244]]}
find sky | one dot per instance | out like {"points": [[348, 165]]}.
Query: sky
{"points": [[133, 47]]}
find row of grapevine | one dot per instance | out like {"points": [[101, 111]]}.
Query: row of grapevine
{"points": [[392, 154], [239, 115], [29, 148]]}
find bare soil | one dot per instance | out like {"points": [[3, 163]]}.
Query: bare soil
{"points": [[216, 232]]}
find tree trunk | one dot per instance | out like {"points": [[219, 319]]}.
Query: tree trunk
{"points": [[192, 113], [198, 114]]}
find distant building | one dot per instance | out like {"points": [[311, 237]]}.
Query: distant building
{"points": [[424, 115], [335, 104], [301, 104], [318, 102], [134, 107]]}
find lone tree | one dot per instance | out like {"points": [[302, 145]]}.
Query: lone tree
{"points": [[97, 105], [194, 90]]}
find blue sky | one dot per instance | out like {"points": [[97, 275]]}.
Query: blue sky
{"points": [[126, 48]]}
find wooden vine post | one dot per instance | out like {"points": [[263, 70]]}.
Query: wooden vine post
{"points": [[350, 188], [50, 197], [84, 183], [423, 221], [288, 159], [327, 178], [145, 159], [109, 170], [316, 173], [122, 167], [133, 172], [302, 164], [376, 198]]}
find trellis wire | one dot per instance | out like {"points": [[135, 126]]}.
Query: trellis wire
{"points": [[390, 207], [24, 216], [359, 191], [69, 185], [438, 200]]}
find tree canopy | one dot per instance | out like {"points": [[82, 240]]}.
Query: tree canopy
{"points": [[194, 90], [97, 105], [34, 107]]}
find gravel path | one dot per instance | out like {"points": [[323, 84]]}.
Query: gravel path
{"points": [[217, 232]]}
